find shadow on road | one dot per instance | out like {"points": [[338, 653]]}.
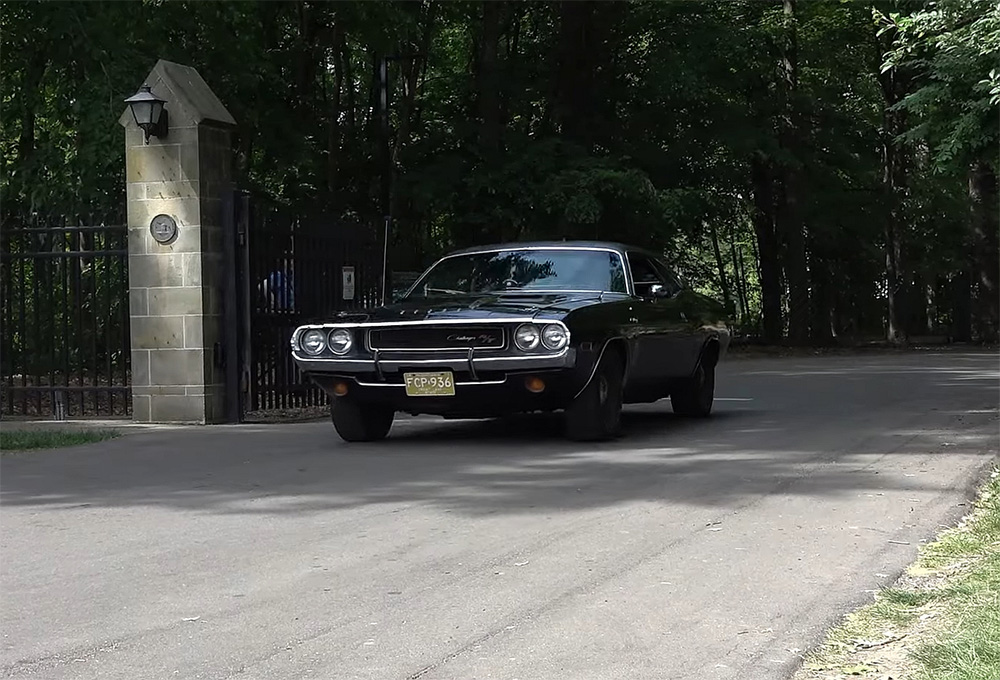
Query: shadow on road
{"points": [[637, 426], [776, 431]]}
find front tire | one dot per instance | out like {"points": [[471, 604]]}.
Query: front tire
{"points": [[695, 395], [595, 414], [356, 422]]}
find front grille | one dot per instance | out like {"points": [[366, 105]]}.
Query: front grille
{"points": [[437, 338]]}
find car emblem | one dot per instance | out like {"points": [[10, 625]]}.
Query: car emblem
{"points": [[483, 339]]}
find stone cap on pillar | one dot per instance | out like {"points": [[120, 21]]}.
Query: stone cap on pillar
{"points": [[190, 101]]}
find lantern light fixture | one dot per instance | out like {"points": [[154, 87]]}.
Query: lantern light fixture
{"points": [[148, 111]]}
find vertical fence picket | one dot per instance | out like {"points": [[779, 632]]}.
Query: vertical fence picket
{"points": [[94, 321], [22, 325], [65, 319], [63, 266], [106, 304], [33, 336], [300, 256]]}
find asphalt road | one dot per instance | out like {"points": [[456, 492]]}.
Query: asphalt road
{"points": [[710, 549]]}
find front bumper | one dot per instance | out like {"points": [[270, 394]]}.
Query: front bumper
{"points": [[397, 362], [484, 386], [483, 399]]}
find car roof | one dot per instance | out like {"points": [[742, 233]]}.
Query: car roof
{"points": [[517, 245]]}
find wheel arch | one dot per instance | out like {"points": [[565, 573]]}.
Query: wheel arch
{"points": [[616, 346], [710, 351]]}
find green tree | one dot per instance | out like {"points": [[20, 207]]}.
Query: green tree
{"points": [[807, 161], [953, 49]]}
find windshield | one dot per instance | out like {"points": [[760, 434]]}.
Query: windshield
{"points": [[547, 270]]}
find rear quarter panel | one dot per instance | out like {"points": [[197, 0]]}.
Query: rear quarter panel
{"points": [[707, 318]]}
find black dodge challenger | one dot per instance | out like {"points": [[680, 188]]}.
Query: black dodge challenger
{"points": [[579, 327]]}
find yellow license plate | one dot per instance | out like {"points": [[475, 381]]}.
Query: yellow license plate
{"points": [[429, 384]]}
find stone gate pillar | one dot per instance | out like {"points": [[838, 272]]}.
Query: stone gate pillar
{"points": [[178, 187]]}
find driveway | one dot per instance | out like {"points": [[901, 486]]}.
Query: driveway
{"points": [[688, 549]]}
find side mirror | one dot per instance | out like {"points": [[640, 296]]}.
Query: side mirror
{"points": [[731, 309], [658, 291]]}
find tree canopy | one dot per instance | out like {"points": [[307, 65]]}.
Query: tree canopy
{"points": [[828, 167]]}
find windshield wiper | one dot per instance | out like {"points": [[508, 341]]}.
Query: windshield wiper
{"points": [[446, 291], [513, 289]]}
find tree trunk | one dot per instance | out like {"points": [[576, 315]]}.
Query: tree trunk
{"points": [[576, 64], [822, 301], [788, 217], [513, 52], [789, 226], [721, 264], [740, 273], [983, 200], [917, 320], [893, 184], [767, 248], [406, 236], [352, 117], [305, 58], [841, 304], [373, 106], [895, 286], [941, 304], [333, 140], [893, 84], [30, 87], [487, 78], [961, 305]]}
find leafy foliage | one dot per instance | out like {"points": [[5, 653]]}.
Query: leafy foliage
{"points": [[638, 121], [955, 46]]}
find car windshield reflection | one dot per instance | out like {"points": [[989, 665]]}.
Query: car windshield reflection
{"points": [[523, 271]]}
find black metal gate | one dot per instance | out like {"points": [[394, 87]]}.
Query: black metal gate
{"points": [[291, 268], [65, 336]]}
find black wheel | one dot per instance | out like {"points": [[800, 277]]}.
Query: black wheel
{"points": [[356, 422], [596, 412], [694, 396]]}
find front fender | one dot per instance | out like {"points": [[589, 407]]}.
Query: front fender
{"points": [[589, 355]]}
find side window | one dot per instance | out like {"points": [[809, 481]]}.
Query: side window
{"points": [[670, 279], [644, 274]]}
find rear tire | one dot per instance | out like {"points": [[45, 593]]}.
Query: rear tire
{"points": [[595, 414], [356, 422], [693, 397]]}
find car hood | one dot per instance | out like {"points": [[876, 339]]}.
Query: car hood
{"points": [[494, 307]]}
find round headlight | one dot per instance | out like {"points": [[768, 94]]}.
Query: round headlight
{"points": [[341, 341], [526, 337], [554, 336], [313, 342]]}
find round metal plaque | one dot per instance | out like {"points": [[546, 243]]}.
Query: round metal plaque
{"points": [[163, 228]]}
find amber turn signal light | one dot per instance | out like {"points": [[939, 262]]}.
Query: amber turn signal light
{"points": [[534, 384], [340, 389]]}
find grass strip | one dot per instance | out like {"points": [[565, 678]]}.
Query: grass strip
{"points": [[33, 439], [940, 621]]}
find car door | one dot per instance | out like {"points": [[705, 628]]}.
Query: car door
{"points": [[685, 323], [661, 328]]}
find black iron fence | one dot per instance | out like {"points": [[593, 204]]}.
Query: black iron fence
{"points": [[294, 268], [65, 338], [64, 341]]}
